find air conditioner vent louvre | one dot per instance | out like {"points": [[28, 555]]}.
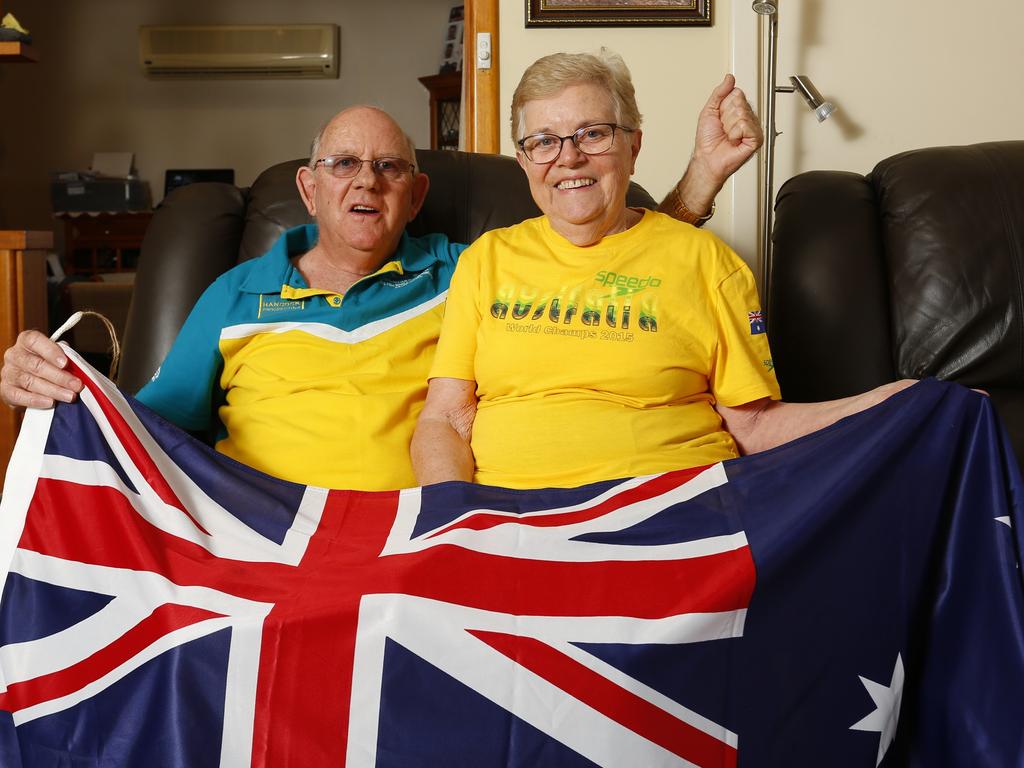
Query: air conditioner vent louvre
{"points": [[253, 51]]}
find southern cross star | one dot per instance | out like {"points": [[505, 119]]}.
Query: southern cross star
{"points": [[887, 709]]}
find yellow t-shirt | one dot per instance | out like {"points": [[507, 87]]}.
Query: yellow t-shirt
{"points": [[605, 361]]}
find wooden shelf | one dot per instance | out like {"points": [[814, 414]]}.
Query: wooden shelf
{"points": [[12, 52]]}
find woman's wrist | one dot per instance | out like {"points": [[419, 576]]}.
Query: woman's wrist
{"points": [[684, 212]]}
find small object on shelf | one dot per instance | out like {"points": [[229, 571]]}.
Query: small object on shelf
{"points": [[15, 41], [12, 31], [451, 59]]}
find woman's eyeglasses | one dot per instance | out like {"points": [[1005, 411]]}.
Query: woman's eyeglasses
{"points": [[590, 140]]}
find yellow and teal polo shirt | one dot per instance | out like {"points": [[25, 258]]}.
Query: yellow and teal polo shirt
{"points": [[308, 385]]}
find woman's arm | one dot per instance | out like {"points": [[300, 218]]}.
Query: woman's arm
{"points": [[765, 423], [440, 445], [728, 134]]}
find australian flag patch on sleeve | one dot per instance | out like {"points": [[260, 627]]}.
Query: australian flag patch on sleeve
{"points": [[756, 319]]}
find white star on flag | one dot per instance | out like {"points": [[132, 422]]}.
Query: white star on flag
{"points": [[887, 709], [1005, 521]]}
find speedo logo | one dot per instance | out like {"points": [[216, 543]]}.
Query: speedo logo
{"points": [[625, 284]]}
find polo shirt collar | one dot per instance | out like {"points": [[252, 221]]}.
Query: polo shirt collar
{"points": [[275, 270]]}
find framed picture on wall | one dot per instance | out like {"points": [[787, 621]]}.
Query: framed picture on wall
{"points": [[618, 13]]}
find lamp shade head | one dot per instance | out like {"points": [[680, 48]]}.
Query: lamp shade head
{"points": [[765, 8], [803, 85], [824, 111]]}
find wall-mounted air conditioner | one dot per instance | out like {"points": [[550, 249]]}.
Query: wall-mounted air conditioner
{"points": [[251, 51]]}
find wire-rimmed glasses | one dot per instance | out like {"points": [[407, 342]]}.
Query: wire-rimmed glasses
{"points": [[347, 166]]}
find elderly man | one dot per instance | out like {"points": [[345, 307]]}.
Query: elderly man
{"points": [[315, 355]]}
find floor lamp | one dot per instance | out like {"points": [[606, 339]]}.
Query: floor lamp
{"points": [[822, 109]]}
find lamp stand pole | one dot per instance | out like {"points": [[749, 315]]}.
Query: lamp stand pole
{"points": [[768, 161]]}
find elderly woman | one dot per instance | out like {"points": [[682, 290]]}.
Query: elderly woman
{"points": [[597, 341]]}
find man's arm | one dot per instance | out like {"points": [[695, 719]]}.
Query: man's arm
{"points": [[728, 134], [33, 374], [765, 423], [440, 447], [185, 388]]}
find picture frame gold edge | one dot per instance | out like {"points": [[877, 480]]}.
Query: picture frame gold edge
{"points": [[704, 20]]}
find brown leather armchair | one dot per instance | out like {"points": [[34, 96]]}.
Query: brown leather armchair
{"points": [[915, 270], [202, 230]]}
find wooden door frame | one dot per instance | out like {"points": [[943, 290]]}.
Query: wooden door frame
{"points": [[480, 92]]}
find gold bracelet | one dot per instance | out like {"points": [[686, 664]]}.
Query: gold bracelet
{"points": [[685, 214]]}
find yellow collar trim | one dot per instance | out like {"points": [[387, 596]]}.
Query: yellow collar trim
{"points": [[290, 292], [391, 266]]}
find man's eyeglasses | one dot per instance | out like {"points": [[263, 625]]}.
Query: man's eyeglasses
{"points": [[347, 166], [590, 140]]}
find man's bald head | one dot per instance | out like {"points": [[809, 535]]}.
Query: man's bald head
{"points": [[360, 113]]}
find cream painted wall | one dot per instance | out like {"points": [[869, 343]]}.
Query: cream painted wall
{"points": [[674, 71], [904, 75], [87, 94]]}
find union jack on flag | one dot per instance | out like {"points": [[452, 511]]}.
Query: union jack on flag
{"points": [[166, 606]]}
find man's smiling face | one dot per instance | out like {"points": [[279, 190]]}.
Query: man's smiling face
{"points": [[364, 215]]}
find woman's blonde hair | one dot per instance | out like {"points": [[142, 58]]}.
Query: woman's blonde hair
{"points": [[552, 74]]}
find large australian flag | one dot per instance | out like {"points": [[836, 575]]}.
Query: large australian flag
{"points": [[853, 598]]}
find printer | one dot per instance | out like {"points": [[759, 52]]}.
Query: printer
{"points": [[77, 191]]}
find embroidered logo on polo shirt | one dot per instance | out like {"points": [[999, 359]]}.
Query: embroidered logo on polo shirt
{"points": [[402, 282], [270, 303]]}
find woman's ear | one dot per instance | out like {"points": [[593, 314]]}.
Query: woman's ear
{"points": [[637, 139]]}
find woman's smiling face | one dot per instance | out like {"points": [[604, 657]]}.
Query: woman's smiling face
{"points": [[583, 196]]}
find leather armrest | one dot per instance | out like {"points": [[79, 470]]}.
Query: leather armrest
{"points": [[828, 308], [175, 268]]}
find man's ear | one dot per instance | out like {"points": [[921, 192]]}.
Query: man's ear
{"points": [[521, 159], [420, 186], [305, 180]]}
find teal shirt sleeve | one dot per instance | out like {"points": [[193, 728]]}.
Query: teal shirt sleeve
{"points": [[183, 388]]}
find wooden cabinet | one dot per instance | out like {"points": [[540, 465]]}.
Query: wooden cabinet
{"points": [[22, 306], [103, 242], [445, 101]]}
